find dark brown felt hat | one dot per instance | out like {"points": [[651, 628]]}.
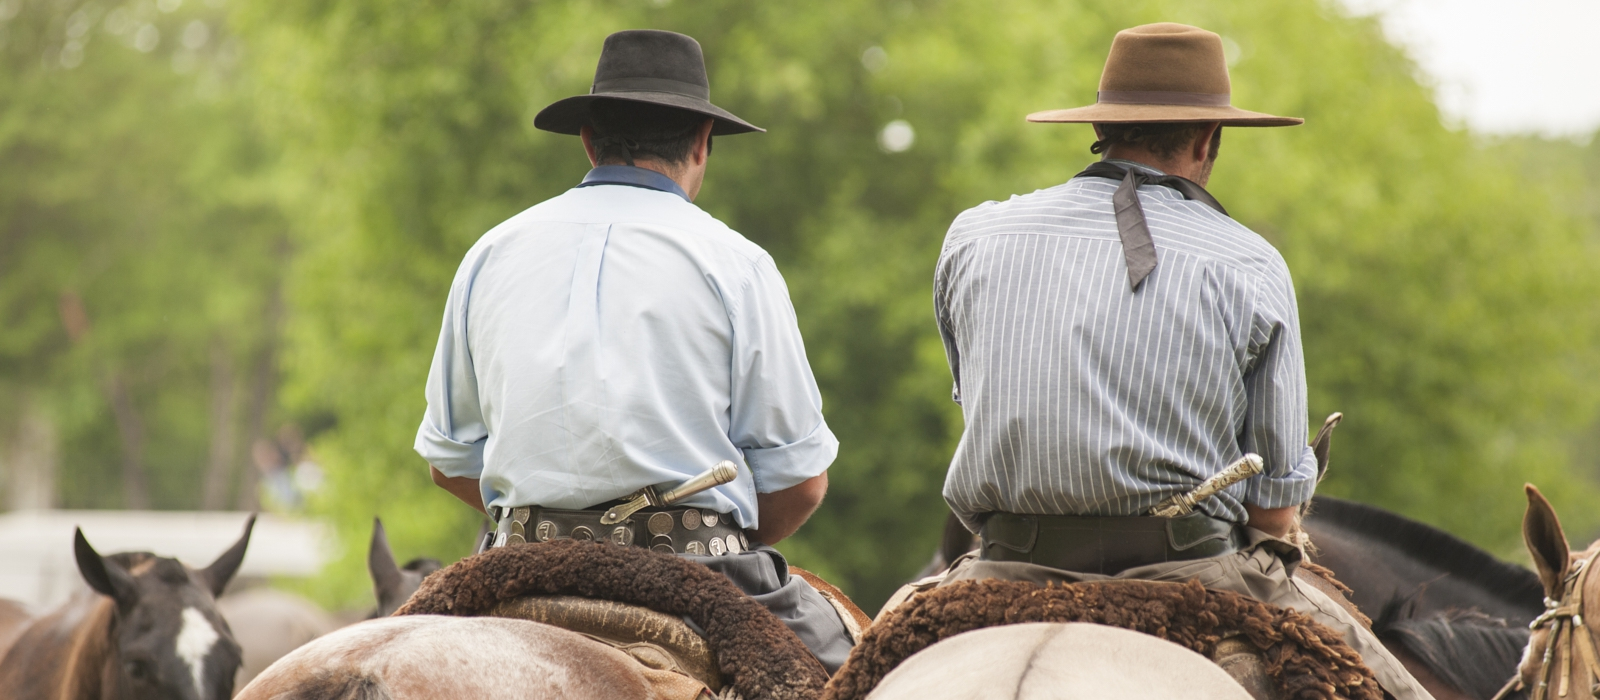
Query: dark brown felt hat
{"points": [[648, 66], [1164, 73]]}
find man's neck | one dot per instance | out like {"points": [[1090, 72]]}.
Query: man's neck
{"points": [[678, 174], [1190, 169]]}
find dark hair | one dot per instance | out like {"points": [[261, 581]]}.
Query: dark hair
{"points": [[625, 130], [1162, 139]]}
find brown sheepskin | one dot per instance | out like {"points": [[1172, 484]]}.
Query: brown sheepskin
{"points": [[1305, 659], [763, 658]]}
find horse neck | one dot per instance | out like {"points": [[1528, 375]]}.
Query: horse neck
{"points": [[91, 668]]}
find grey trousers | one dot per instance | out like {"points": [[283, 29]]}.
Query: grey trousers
{"points": [[763, 573], [1264, 571]]}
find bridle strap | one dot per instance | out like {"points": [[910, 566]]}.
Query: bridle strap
{"points": [[1565, 615]]}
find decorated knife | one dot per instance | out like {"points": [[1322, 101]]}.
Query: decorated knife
{"points": [[721, 473], [1183, 504]]}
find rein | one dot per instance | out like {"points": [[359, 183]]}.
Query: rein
{"points": [[1564, 617]]}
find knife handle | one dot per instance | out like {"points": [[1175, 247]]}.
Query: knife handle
{"points": [[722, 473]]}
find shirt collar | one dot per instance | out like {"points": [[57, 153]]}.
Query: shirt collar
{"points": [[1132, 164], [632, 176]]}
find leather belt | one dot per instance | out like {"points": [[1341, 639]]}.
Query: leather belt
{"points": [[1106, 544], [665, 530]]}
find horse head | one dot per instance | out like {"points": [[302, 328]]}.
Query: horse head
{"points": [[393, 584], [1561, 654], [167, 639]]}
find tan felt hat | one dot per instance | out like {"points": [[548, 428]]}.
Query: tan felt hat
{"points": [[1164, 72]]}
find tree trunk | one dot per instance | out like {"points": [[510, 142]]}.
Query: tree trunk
{"points": [[263, 391], [130, 428], [31, 459], [224, 429]]}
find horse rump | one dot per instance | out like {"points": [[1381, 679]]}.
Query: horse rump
{"points": [[338, 684]]}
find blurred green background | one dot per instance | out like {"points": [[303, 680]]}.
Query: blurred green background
{"points": [[227, 228]]}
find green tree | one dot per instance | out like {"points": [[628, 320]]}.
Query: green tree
{"points": [[138, 254]]}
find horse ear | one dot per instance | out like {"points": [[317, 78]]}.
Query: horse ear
{"points": [[106, 578], [386, 579], [221, 571], [1541, 530]]}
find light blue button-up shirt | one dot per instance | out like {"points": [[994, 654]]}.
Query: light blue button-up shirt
{"points": [[617, 337]]}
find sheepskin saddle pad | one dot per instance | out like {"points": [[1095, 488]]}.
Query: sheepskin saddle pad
{"points": [[753, 651], [1302, 659]]}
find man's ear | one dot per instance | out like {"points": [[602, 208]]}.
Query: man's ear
{"points": [[1541, 531], [106, 577], [1200, 150], [586, 134], [702, 142], [221, 571]]}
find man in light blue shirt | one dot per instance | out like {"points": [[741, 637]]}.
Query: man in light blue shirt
{"points": [[618, 337]]}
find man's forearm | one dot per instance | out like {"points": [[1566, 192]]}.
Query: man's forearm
{"points": [[1278, 522], [783, 512], [464, 488]]}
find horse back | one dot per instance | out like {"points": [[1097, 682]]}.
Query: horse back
{"points": [[14, 618], [63, 654], [430, 656]]}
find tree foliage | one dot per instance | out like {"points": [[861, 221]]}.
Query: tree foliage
{"points": [[139, 252], [1446, 283]]}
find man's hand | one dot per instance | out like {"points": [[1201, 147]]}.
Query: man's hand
{"points": [[783, 512], [464, 488], [1278, 522]]}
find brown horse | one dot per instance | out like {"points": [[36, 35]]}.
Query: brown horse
{"points": [[268, 624], [14, 618], [148, 629], [1560, 661]]}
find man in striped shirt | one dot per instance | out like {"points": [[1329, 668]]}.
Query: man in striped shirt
{"points": [[1117, 339]]}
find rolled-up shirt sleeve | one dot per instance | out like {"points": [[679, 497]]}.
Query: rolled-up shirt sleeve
{"points": [[453, 432], [776, 410], [1275, 393]]}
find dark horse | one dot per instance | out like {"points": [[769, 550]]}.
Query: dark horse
{"points": [[148, 629]]}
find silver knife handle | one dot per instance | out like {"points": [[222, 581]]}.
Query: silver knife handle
{"points": [[722, 473], [1247, 466], [1183, 504]]}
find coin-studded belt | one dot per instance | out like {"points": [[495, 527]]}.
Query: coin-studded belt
{"points": [[665, 530]]}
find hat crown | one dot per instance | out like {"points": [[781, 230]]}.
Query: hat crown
{"points": [[1166, 57], [651, 54]]}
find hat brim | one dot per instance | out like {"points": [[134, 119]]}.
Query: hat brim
{"points": [[569, 116], [1106, 113]]}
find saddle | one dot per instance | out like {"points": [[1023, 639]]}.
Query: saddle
{"points": [[1272, 652], [657, 640], [636, 600]]}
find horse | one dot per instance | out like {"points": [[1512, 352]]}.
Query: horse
{"points": [[1045, 661], [508, 621], [14, 618], [1387, 560], [146, 628], [392, 584], [1560, 659], [431, 656], [268, 623]]}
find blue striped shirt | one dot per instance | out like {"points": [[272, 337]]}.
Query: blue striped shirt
{"points": [[1082, 397]]}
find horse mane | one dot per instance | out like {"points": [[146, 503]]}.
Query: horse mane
{"points": [[1472, 652], [1431, 546], [761, 657]]}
